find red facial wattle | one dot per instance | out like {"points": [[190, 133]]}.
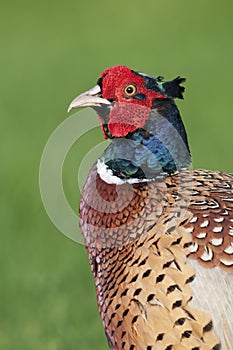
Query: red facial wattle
{"points": [[128, 113], [127, 117]]}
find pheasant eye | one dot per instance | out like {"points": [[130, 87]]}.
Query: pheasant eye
{"points": [[130, 90]]}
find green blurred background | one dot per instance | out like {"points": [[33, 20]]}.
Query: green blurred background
{"points": [[50, 52]]}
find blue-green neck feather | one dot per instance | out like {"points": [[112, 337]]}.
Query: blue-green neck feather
{"points": [[161, 146]]}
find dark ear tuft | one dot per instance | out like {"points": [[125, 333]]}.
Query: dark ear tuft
{"points": [[173, 89]]}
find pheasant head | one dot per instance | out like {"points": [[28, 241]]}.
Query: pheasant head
{"points": [[139, 114]]}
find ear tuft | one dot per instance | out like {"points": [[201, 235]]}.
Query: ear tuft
{"points": [[173, 89]]}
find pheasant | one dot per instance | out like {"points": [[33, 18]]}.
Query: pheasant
{"points": [[159, 235]]}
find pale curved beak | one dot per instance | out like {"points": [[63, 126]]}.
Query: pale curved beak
{"points": [[89, 98]]}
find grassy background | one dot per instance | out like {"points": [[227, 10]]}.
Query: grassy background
{"points": [[51, 51]]}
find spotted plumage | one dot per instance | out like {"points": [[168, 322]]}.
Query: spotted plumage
{"points": [[159, 235]]}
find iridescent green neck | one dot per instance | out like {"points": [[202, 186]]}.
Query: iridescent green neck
{"points": [[160, 147]]}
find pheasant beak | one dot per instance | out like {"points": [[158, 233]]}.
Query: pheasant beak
{"points": [[90, 98]]}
